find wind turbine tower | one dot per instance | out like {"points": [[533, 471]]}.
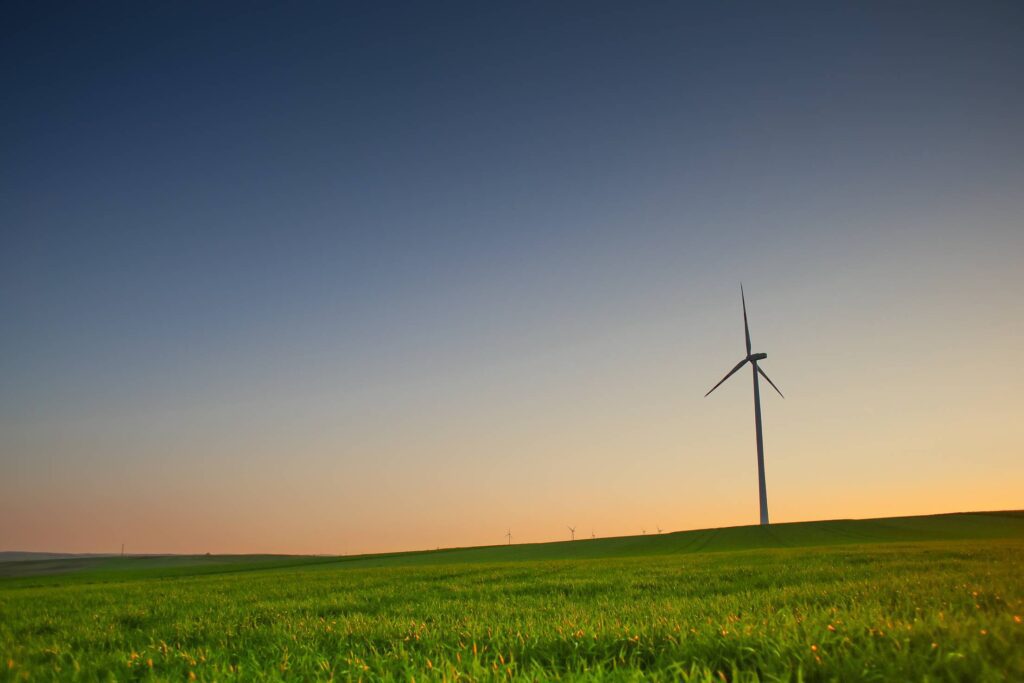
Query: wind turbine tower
{"points": [[753, 358], [572, 532], [508, 534]]}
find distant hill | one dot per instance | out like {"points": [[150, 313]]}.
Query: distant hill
{"points": [[946, 527], [18, 556], [952, 526]]}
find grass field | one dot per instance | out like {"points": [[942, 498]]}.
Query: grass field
{"points": [[922, 598]]}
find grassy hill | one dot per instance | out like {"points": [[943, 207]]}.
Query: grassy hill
{"points": [[914, 598], [981, 525], [955, 526]]}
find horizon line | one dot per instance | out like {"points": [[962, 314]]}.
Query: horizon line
{"points": [[64, 555]]}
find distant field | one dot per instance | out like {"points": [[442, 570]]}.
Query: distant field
{"points": [[917, 598]]}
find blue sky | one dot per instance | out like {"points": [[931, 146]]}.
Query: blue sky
{"points": [[338, 233]]}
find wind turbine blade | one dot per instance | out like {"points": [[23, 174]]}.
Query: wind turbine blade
{"points": [[769, 380], [731, 373], [746, 328]]}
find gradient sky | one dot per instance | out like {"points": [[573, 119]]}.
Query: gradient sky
{"points": [[326, 277]]}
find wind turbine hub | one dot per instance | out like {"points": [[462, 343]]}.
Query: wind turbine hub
{"points": [[757, 356]]}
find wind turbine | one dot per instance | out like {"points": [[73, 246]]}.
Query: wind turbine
{"points": [[508, 534], [572, 530], [659, 529], [752, 358]]}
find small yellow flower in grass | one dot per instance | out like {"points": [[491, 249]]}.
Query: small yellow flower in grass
{"points": [[1016, 618], [814, 648], [430, 664], [191, 675], [832, 628], [983, 632], [149, 663], [934, 645], [10, 662]]}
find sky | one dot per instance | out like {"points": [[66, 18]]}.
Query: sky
{"points": [[359, 277]]}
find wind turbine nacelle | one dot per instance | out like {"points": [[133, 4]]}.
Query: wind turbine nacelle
{"points": [[757, 356]]}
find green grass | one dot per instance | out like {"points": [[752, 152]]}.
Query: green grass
{"points": [[927, 598]]}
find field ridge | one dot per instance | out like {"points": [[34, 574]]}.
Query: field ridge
{"points": [[996, 524]]}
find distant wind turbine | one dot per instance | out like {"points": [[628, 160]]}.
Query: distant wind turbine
{"points": [[659, 529], [508, 534], [572, 531], [752, 358]]}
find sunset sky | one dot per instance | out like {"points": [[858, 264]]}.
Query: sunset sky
{"points": [[338, 278]]}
